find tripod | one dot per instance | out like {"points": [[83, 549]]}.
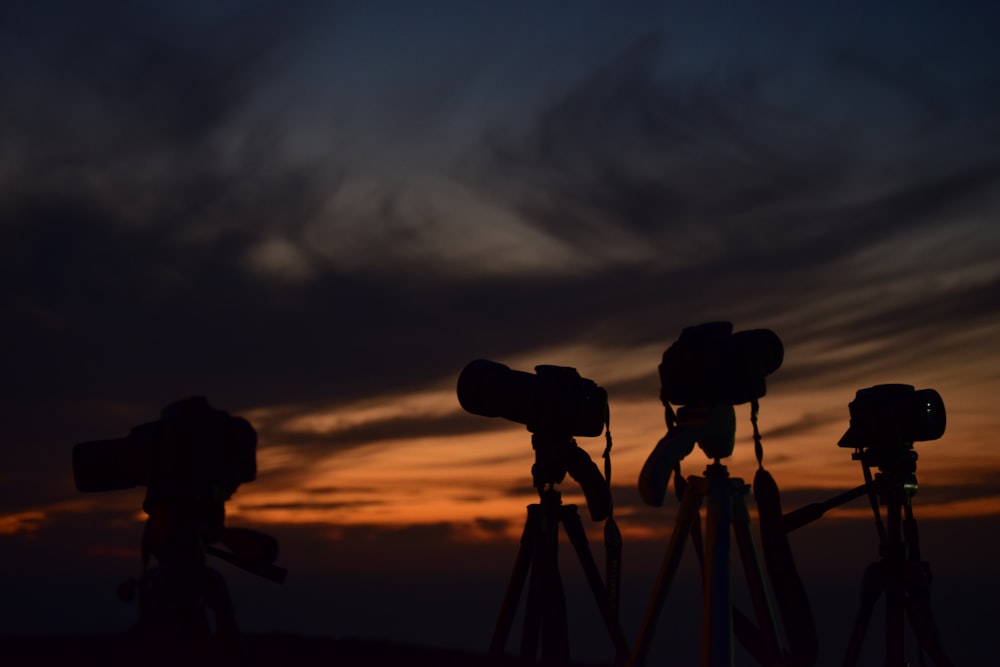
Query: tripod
{"points": [[181, 596], [545, 609], [726, 507], [899, 573]]}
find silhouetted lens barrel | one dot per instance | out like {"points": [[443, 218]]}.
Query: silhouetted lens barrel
{"points": [[555, 400], [107, 465], [489, 389], [203, 446]]}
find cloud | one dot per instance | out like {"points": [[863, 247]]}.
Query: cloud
{"points": [[745, 210], [168, 238], [21, 522]]}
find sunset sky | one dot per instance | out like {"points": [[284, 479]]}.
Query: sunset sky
{"points": [[315, 214]]}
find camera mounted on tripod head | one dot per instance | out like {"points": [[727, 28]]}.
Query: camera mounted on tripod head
{"points": [[555, 404], [887, 419], [708, 364], [706, 371], [192, 445], [553, 400], [190, 461]]}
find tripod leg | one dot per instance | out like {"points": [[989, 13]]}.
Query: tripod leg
{"points": [[687, 515], [515, 585], [769, 642], [578, 538], [545, 613], [872, 584], [717, 612], [918, 610], [894, 578], [555, 628]]}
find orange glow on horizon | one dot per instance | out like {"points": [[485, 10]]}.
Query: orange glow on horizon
{"points": [[461, 480], [480, 483], [21, 522]]}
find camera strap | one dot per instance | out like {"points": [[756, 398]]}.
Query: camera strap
{"points": [[612, 535], [680, 488], [792, 600], [789, 591], [758, 448]]}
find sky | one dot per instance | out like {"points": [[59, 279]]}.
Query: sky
{"points": [[316, 214]]}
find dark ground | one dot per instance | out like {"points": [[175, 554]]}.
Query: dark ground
{"points": [[264, 650]]}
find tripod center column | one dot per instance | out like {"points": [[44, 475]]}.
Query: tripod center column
{"points": [[717, 618]]}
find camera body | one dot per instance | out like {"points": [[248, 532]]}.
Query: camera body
{"points": [[192, 446], [555, 404], [707, 371], [553, 400], [710, 365], [890, 416]]}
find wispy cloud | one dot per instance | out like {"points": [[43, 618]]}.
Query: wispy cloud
{"points": [[171, 224]]}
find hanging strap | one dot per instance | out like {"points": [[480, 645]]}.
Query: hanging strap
{"points": [[789, 591], [612, 535], [680, 486], [758, 448], [792, 600]]}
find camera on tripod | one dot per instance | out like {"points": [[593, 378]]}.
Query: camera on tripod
{"points": [[191, 461], [555, 404], [710, 365], [707, 371], [894, 415], [191, 444], [886, 420], [554, 400]]}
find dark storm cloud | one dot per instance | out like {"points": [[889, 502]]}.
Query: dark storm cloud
{"points": [[747, 206], [113, 152], [633, 149], [141, 189], [110, 87], [711, 167], [165, 229], [132, 287]]}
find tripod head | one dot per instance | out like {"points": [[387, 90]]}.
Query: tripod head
{"points": [[183, 529], [712, 428], [885, 422], [190, 461], [556, 455], [555, 404]]}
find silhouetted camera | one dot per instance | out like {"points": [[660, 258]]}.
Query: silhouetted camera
{"points": [[193, 445], [555, 400], [710, 365], [890, 415]]}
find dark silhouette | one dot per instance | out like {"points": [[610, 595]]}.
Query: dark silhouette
{"points": [[709, 370], [271, 649], [885, 422], [555, 405], [191, 461]]}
